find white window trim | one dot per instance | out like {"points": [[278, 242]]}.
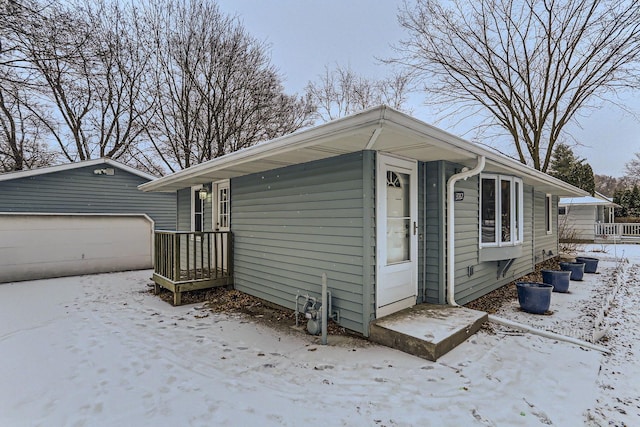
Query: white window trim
{"points": [[549, 213], [518, 239]]}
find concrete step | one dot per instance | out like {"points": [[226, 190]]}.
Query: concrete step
{"points": [[427, 330]]}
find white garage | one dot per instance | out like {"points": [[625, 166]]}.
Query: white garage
{"points": [[37, 245]]}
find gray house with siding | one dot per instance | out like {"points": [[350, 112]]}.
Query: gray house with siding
{"points": [[578, 216], [396, 212], [101, 186]]}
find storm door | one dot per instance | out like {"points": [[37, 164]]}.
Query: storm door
{"points": [[397, 229]]}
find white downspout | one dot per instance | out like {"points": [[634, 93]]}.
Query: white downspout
{"points": [[451, 242]]}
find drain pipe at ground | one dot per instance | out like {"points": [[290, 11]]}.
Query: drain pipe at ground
{"points": [[546, 334], [451, 251]]}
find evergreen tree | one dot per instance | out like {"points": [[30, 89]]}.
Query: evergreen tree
{"points": [[634, 202], [618, 197], [566, 166]]}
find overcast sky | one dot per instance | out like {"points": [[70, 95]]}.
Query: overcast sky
{"points": [[306, 35]]}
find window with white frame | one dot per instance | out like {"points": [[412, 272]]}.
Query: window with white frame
{"points": [[197, 210], [501, 207], [548, 218]]}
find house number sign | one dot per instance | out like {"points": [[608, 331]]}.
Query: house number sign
{"points": [[459, 196]]}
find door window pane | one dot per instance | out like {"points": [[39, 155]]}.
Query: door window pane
{"points": [[223, 207], [398, 217]]}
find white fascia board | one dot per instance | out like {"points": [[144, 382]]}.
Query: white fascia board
{"points": [[130, 169], [49, 169], [475, 150], [376, 118], [586, 201], [293, 141], [74, 165]]}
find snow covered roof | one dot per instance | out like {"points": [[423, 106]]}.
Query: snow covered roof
{"points": [[381, 128], [586, 201], [68, 166]]}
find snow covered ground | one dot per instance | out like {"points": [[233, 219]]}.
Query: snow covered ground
{"points": [[100, 351]]}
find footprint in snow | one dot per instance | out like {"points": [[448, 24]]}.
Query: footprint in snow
{"points": [[322, 367]]}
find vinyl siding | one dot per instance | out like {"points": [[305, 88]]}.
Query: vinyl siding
{"points": [[432, 245], [542, 240], [486, 275], [184, 211], [292, 224], [580, 221], [81, 191]]}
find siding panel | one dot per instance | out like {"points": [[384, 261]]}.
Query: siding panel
{"points": [[580, 221], [543, 241], [292, 224], [79, 190], [486, 276], [434, 244]]}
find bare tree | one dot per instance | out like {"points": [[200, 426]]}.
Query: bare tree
{"points": [[632, 171], [340, 92], [89, 68], [530, 66], [21, 145], [20, 133], [213, 84]]}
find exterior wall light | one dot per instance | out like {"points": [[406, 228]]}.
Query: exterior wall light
{"points": [[203, 193]]}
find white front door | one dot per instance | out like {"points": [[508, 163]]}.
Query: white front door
{"points": [[397, 240], [221, 222], [221, 214]]}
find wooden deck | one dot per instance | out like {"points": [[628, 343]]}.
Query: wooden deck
{"points": [[187, 261]]}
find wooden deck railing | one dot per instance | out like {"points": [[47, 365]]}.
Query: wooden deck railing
{"points": [[617, 230], [185, 261]]}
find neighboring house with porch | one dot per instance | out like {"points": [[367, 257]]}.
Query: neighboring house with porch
{"points": [[379, 201], [585, 218], [78, 218]]}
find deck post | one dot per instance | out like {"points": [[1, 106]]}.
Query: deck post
{"points": [[169, 273], [176, 257]]}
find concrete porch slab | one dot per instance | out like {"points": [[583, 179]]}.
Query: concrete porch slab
{"points": [[427, 330]]}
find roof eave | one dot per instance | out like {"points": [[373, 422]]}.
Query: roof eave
{"points": [[74, 165], [378, 117]]}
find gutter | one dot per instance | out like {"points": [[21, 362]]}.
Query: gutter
{"points": [[451, 246]]}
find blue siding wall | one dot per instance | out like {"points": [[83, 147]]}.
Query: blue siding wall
{"points": [[81, 191], [543, 241], [431, 273], [486, 275], [184, 210], [292, 224]]}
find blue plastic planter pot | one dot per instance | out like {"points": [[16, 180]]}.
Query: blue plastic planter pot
{"points": [[576, 269], [590, 264], [559, 279], [534, 297]]}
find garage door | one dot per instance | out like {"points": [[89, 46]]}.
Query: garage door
{"points": [[38, 246]]}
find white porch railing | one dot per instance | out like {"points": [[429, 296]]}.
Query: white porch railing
{"points": [[617, 230]]}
